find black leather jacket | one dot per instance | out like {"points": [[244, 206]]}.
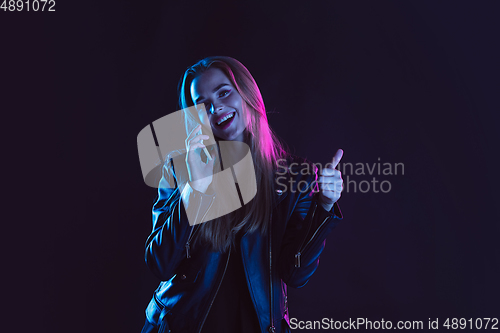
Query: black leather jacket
{"points": [[287, 255]]}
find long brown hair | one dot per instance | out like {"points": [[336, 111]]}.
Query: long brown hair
{"points": [[266, 150]]}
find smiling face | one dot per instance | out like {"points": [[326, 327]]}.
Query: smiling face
{"points": [[224, 105]]}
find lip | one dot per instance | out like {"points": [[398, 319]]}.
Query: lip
{"points": [[216, 119]]}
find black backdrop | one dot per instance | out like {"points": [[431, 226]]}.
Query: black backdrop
{"points": [[413, 82]]}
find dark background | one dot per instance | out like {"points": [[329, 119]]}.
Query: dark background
{"points": [[413, 82]]}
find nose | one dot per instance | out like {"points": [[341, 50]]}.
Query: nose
{"points": [[214, 108]]}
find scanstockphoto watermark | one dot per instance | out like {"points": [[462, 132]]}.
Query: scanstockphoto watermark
{"points": [[354, 175], [470, 323], [355, 324]]}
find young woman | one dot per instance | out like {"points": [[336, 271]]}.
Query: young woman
{"points": [[224, 268]]}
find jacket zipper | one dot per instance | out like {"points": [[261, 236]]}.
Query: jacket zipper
{"points": [[298, 254], [286, 297], [218, 287], [188, 248], [271, 329], [310, 240], [191, 235], [317, 230]]}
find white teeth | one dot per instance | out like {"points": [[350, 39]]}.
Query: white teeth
{"points": [[225, 118]]}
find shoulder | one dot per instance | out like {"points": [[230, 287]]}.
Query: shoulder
{"points": [[295, 174], [295, 164]]}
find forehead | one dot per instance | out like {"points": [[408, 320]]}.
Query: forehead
{"points": [[204, 84]]}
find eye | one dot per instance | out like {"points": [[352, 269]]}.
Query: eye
{"points": [[224, 93]]}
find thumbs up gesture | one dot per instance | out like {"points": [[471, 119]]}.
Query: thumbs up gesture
{"points": [[330, 183]]}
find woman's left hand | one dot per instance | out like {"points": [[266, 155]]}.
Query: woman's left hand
{"points": [[330, 183]]}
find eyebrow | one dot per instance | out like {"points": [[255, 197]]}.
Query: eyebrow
{"points": [[215, 89]]}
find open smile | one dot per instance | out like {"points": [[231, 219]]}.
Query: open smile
{"points": [[225, 120]]}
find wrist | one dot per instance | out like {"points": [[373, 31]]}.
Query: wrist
{"points": [[198, 187], [327, 207]]}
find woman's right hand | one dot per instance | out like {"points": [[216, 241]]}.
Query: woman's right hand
{"points": [[200, 173]]}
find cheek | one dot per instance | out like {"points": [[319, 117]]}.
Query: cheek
{"points": [[204, 118], [245, 117], [236, 101], [240, 102]]}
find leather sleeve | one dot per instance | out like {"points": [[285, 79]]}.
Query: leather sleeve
{"points": [[305, 237], [166, 245]]}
